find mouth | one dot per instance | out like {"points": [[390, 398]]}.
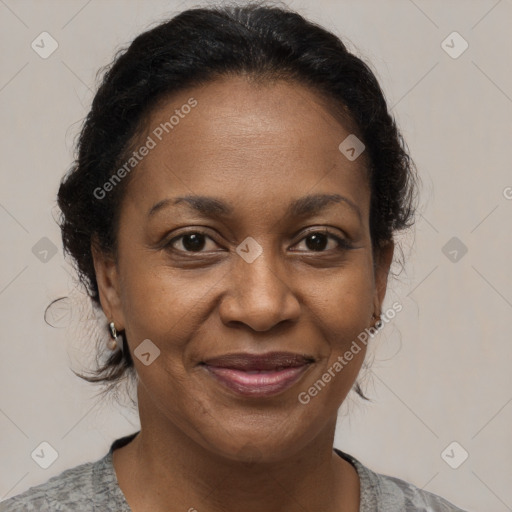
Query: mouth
{"points": [[258, 375]]}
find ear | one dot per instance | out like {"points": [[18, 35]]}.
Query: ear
{"points": [[107, 277], [384, 258]]}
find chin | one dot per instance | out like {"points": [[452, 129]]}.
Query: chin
{"points": [[254, 445]]}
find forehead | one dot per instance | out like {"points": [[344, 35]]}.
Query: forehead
{"points": [[249, 141]]}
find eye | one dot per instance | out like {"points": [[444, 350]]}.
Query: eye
{"points": [[318, 241], [315, 241], [193, 241]]}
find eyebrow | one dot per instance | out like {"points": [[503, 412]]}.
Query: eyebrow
{"points": [[213, 207]]}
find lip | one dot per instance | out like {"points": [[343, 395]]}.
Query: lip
{"points": [[258, 375]]}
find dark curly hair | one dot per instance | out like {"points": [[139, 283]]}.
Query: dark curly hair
{"points": [[262, 42]]}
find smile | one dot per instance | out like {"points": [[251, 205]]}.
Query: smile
{"points": [[258, 375], [257, 383]]}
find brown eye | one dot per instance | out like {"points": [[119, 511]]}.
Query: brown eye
{"points": [[194, 241], [318, 241]]}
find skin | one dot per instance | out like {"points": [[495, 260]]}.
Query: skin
{"points": [[256, 148]]}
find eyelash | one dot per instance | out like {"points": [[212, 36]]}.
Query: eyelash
{"points": [[343, 244]]}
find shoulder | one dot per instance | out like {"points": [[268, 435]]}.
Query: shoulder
{"points": [[74, 489], [389, 494], [399, 493], [71, 486]]}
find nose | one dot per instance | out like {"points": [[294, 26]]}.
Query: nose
{"points": [[258, 296]]}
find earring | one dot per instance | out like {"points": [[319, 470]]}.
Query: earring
{"points": [[378, 324], [112, 344]]}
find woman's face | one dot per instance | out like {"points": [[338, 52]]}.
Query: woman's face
{"points": [[245, 159]]}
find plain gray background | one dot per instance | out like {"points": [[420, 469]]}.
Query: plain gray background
{"points": [[441, 369]]}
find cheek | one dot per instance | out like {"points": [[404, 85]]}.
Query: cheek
{"points": [[341, 308], [160, 301], [343, 300]]}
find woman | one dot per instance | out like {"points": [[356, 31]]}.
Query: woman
{"points": [[232, 209]]}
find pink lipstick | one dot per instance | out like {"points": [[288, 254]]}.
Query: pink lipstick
{"points": [[258, 375]]}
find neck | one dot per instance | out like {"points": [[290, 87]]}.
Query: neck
{"points": [[164, 466]]}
